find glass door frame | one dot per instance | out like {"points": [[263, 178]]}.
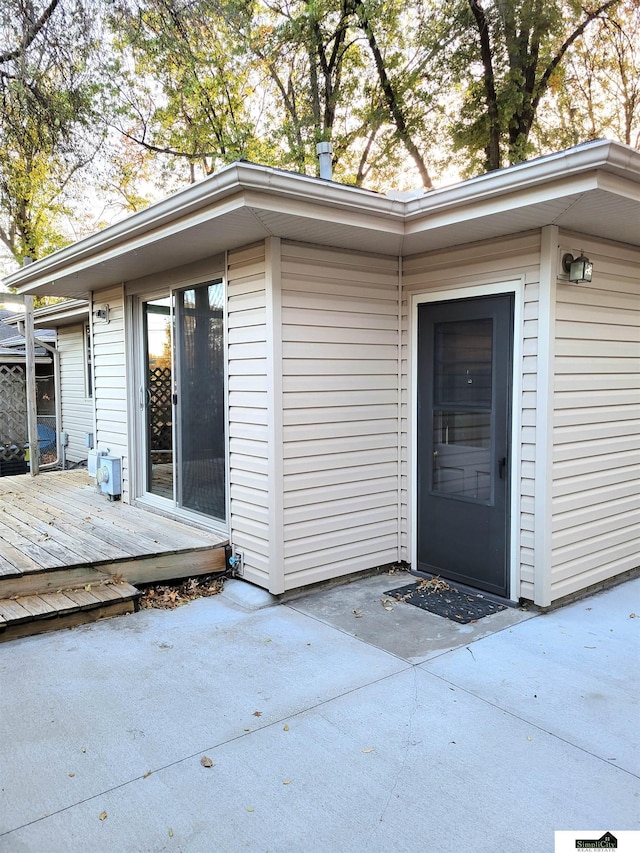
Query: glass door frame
{"points": [[138, 418]]}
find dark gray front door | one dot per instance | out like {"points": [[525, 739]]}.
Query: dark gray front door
{"points": [[464, 415]]}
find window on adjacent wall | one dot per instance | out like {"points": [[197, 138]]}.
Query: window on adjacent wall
{"points": [[88, 362]]}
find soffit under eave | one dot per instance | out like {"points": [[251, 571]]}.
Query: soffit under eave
{"points": [[154, 253], [251, 218], [598, 216]]}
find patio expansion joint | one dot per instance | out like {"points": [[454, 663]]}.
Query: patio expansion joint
{"points": [[408, 743], [453, 685], [143, 776]]}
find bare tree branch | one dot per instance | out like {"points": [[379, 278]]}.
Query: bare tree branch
{"points": [[30, 34]]}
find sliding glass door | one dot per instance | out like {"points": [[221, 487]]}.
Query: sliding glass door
{"points": [[199, 400], [157, 391], [184, 399]]}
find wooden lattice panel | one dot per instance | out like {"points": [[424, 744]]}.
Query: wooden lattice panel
{"points": [[160, 410], [13, 411]]}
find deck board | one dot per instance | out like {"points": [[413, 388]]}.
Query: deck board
{"points": [[57, 515], [35, 605], [36, 614], [152, 532], [58, 522]]}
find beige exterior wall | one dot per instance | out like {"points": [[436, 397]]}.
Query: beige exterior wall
{"points": [[249, 485], [596, 420], [485, 267], [339, 314], [77, 407], [320, 431], [110, 385]]}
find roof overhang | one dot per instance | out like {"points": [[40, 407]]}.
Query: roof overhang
{"points": [[68, 313], [593, 189]]}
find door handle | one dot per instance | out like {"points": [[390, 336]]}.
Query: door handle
{"points": [[502, 464]]}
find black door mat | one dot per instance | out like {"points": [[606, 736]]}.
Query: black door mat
{"points": [[436, 596]]}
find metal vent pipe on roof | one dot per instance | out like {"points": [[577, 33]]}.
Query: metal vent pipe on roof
{"points": [[324, 150]]}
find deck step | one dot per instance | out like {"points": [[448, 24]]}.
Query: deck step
{"points": [[25, 615]]}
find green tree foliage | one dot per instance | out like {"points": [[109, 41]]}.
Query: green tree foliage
{"points": [[403, 89], [399, 88], [47, 118], [511, 53], [184, 88], [597, 93], [210, 81]]}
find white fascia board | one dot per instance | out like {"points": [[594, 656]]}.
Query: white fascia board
{"points": [[465, 210], [389, 221], [617, 185], [75, 263], [61, 313], [610, 157], [224, 191], [198, 203]]}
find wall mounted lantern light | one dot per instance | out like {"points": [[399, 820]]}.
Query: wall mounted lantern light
{"points": [[580, 269], [101, 314]]}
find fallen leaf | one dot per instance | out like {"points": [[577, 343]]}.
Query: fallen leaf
{"points": [[367, 750], [257, 713], [83, 749], [88, 588], [206, 761], [103, 816], [285, 728], [247, 730], [357, 614], [633, 616], [387, 603], [147, 774], [528, 737], [287, 782], [249, 808], [170, 833], [168, 597], [72, 774]]}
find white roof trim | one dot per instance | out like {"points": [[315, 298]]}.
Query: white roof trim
{"points": [[299, 200]]}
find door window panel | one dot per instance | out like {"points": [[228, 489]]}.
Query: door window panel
{"points": [[462, 382], [158, 387], [462, 363], [185, 398], [200, 399]]}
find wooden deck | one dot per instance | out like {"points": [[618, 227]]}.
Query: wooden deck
{"points": [[57, 534]]}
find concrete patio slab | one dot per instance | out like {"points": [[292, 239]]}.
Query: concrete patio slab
{"points": [[361, 609], [574, 671], [320, 741], [109, 702]]}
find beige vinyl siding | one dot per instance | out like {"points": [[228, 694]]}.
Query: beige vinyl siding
{"points": [[528, 438], [596, 447], [77, 408], [110, 385], [339, 314], [248, 421], [478, 265]]}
